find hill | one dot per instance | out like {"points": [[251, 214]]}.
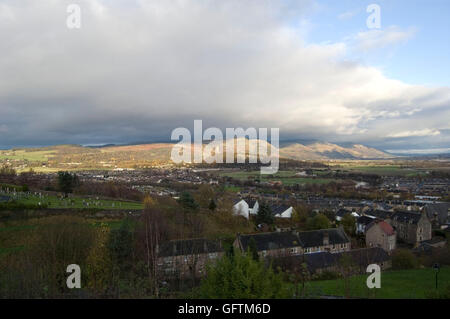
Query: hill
{"points": [[146, 155]]}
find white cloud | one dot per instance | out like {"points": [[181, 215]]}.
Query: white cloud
{"points": [[380, 38], [139, 69], [424, 132], [348, 15]]}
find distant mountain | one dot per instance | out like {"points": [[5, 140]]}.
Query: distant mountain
{"points": [[145, 155], [327, 151]]}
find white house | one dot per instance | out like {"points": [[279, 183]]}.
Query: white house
{"points": [[282, 211], [253, 206], [240, 208]]}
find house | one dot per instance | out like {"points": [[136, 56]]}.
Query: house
{"points": [[326, 261], [241, 208], [293, 243], [341, 213], [378, 213], [253, 206], [411, 227], [271, 244], [438, 213], [362, 222], [332, 240], [187, 258], [282, 211], [381, 234]]}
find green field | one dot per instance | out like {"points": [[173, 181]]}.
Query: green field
{"points": [[385, 170], [286, 177], [52, 201], [411, 284], [32, 156]]}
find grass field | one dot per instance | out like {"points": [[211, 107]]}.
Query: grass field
{"points": [[286, 177], [76, 202], [380, 169], [32, 156], [411, 284]]}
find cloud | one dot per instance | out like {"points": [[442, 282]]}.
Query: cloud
{"points": [[380, 38], [424, 132], [136, 70], [348, 15], [421, 151]]}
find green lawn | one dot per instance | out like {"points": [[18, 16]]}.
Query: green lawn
{"points": [[32, 156], [398, 284], [76, 202]]}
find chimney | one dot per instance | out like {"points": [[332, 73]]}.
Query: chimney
{"points": [[326, 239]]}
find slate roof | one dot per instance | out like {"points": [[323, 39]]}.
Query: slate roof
{"points": [[364, 220], [320, 260], [407, 217], [440, 210], [315, 238], [251, 202], [378, 213], [189, 247], [279, 209], [270, 241], [342, 212]]}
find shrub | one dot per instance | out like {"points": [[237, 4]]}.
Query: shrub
{"points": [[403, 259]]}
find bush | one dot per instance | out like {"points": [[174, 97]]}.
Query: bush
{"points": [[239, 276], [403, 259]]}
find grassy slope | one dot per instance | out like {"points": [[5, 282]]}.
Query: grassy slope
{"points": [[394, 284], [77, 202]]}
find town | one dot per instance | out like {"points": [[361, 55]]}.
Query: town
{"points": [[302, 222]]}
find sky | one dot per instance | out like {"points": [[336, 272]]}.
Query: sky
{"points": [[138, 69]]}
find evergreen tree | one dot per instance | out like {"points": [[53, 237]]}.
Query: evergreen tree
{"points": [[265, 215], [253, 251], [212, 205], [187, 201], [242, 277]]}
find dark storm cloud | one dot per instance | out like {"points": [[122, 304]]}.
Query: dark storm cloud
{"points": [[138, 69]]}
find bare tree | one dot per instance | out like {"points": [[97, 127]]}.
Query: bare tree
{"points": [[153, 233]]}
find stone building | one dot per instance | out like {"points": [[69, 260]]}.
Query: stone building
{"points": [[295, 243], [187, 258], [411, 227], [381, 234]]}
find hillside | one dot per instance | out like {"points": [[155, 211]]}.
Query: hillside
{"points": [[326, 151], [145, 155]]}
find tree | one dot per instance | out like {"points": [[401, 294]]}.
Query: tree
{"points": [[264, 215], [403, 259], [241, 277], [67, 182], [253, 251], [152, 231], [212, 205], [349, 224], [319, 221], [346, 268], [120, 246], [99, 264], [188, 202], [203, 195]]}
